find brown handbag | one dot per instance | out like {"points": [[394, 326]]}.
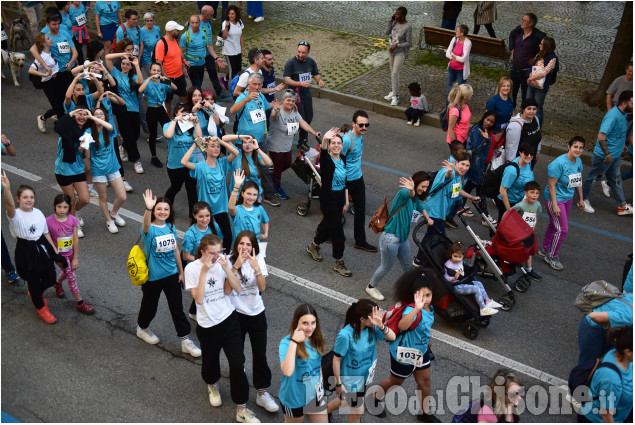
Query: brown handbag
{"points": [[380, 217]]}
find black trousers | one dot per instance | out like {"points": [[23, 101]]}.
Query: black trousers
{"points": [[154, 116], [256, 327], [210, 65], [357, 191], [115, 142], [235, 66], [224, 223], [7, 265], [129, 128], [178, 176], [519, 81], [305, 109], [196, 74], [482, 204], [225, 336], [331, 204], [55, 94], [501, 208], [150, 301], [488, 27]]}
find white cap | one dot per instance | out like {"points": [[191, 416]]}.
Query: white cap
{"points": [[171, 25]]}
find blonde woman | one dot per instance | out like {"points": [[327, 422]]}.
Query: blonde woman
{"points": [[459, 113]]}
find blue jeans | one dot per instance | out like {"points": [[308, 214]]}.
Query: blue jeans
{"points": [[454, 76], [391, 248], [613, 178], [591, 342], [254, 8], [539, 96], [628, 174], [448, 24]]}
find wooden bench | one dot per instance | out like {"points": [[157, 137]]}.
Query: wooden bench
{"points": [[484, 46]]}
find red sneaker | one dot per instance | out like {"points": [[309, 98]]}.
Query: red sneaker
{"points": [[46, 315], [85, 308], [59, 290]]}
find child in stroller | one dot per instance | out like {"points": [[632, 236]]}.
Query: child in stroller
{"points": [[453, 272]]}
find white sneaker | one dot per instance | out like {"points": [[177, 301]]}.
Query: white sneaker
{"points": [[214, 395], [410, 122], [118, 220], [138, 168], [490, 219], [41, 124], [127, 186], [123, 154], [112, 227], [93, 193], [80, 232], [625, 210], [79, 218], [192, 316], [374, 292], [418, 123], [493, 304], [267, 402], [147, 335], [259, 19], [246, 417], [587, 207], [389, 96], [488, 311], [188, 347], [606, 190], [395, 101]]}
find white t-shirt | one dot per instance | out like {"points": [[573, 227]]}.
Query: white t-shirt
{"points": [[50, 62], [29, 225], [244, 77], [249, 301], [216, 306], [231, 46]]}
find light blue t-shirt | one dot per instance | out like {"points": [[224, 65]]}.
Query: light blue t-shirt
{"points": [[103, 161], [107, 13], [149, 39], [204, 122], [249, 220], [438, 204], [64, 168], [354, 157], [569, 175], [246, 124], [193, 236], [207, 28], [253, 170], [615, 126], [159, 244], [399, 224], [417, 338], [196, 49], [125, 91], [298, 389], [62, 45], [620, 313], [618, 390], [628, 283], [66, 22], [339, 175], [77, 15], [132, 34], [358, 355], [516, 186], [212, 187], [156, 93], [178, 146]]}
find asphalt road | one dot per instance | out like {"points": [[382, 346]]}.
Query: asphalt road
{"points": [[95, 369]]}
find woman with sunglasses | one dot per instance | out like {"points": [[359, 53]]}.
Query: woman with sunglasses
{"points": [[285, 123], [150, 35], [512, 188]]}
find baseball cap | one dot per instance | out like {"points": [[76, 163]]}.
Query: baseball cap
{"points": [[171, 25]]}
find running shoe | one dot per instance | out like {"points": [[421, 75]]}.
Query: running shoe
{"points": [[271, 200], [59, 290], [188, 347], [246, 416], [465, 211], [85, 308], [147, 335], [389, 96], [451, 223], [488, 311], [625, 210], [267, 402], [533, 275], [259, 19], [418, 122], [374, 292], [79, 218], [587, 207], [281, 194], [93, 193], [395, 101], [112, 227], [127, 186], [365, 246], [138, 168], [554, 263], [214, 395], [41, 123], [493, 304], [118, 220], [123, 154], [46, 315], [410, 122], [606, 190], [542, 252], [156, 162], [12, 276]]}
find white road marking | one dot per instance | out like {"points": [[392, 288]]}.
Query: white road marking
{"points": [[345, 299]]}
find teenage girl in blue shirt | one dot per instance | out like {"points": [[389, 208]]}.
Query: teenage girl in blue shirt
{"points": [[246, 212]]}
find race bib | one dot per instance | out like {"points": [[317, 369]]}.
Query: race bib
{"points": [[409, 356], [319, 389], [456, 187], [81, 19], [165, 243], [371, 373], [4, 36], [64, 243], [304, 77], [530, 218], [271, 85], [416, 215], [292, 128], [135, 50], [63, 47], [257, 116], [575, 180]]}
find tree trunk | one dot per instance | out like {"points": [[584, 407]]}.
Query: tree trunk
{"points": [[620, 56]]}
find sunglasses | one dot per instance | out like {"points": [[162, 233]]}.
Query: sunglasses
{"points": [[363, 124], [528, 153], [304, 43]]}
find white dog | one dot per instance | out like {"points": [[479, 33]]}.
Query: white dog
{"points": [[15, 62]]}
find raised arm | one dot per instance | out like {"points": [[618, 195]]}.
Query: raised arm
{"points": [[8, 198], [150, 201], [185, 161], [239, 178]]}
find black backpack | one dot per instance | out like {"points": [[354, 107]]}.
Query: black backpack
{"points": [[153, 58], [492, 180], [444, 118], [37, 81], [328, 376], [582, 374]]}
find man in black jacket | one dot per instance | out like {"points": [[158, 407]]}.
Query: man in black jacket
{"points": [[524, 44]]}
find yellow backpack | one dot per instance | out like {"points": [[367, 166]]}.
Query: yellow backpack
{"points": [[137, 265]]}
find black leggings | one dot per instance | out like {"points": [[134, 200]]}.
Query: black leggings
{"points": [[331, 226], [150, 301], [129, 127], [178, 176], [225, 226], [235, 66], [488, 27], [55, 93], [153, 116], [256, 327]]}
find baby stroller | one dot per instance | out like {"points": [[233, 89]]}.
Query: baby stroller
{"points": [[307, 168], [452, 307], [512, 244]]}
